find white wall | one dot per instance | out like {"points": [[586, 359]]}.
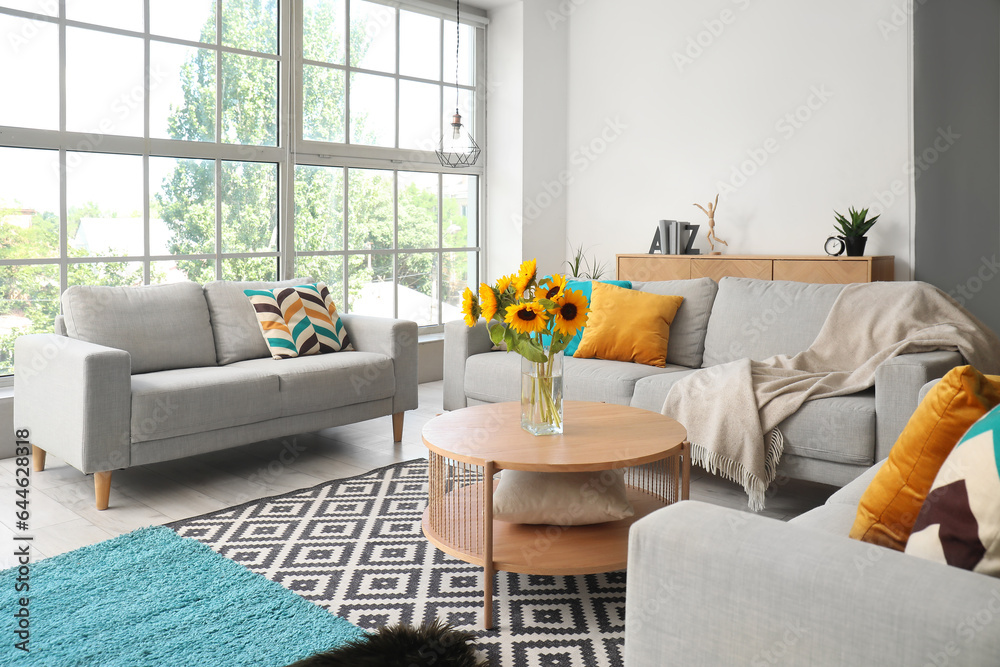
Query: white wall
{"points": [[527, 83], [651, 133], [505, 139]]}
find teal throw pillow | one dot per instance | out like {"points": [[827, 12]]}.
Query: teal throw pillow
{"points": [[585, 286]]}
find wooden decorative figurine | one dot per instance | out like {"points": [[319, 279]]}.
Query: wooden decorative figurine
{"points": [[710, 212]]}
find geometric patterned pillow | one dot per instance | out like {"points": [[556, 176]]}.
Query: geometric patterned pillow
{"points": [[959, 523], [322, 312], [298, 321]]}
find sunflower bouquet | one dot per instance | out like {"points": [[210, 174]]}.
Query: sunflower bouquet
{"points": [[537, 319]]}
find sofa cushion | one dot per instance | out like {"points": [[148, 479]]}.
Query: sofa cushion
{"points": [[326, 381], [839, 429], [495, 377], [234, 324], [651, 391], [161, 326], [687, 331], [178, 402], [757, 319]]}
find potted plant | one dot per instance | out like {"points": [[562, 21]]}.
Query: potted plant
{"points": [[853, 231]]}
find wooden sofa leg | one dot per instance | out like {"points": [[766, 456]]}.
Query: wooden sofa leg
{"points": [[37, 458], [102, 488], [397, 427]]}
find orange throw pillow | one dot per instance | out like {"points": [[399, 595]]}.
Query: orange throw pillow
{"points": [[889, 506], [628, 325]]}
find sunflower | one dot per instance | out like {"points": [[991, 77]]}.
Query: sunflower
{"points": [[488, 301], [526, 317], [524, 277], [470, 307], [571, 312], [553, 286], [503, 283]]}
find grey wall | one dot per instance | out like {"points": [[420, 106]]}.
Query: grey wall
{"points": [[956, 54]]}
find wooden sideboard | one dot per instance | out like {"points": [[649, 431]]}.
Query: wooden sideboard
{"points": [[803, 269]]}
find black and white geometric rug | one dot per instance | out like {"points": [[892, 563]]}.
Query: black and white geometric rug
{"points": [[355, 547]]}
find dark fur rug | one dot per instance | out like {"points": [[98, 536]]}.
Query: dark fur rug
{"points": [[436, 643]]}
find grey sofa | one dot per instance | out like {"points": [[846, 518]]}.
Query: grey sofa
{"points": [[831, 440], [141, 375], [709, 585]]}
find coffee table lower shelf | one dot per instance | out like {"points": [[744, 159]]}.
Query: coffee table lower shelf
{"points": [[541, 549]]}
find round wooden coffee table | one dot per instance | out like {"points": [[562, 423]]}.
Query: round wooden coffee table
{"points": [[471, 445]]}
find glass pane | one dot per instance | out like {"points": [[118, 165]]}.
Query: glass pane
{"points": [[29, 204], [369, 213], [124, 14], [458, 271], [249, 207], [29, 60], [419, 45], [329, 270], [466, 54], [104, 203], [104, 83], [179, 270], [29, 303], [419, 115], [181, 92], [46, 7], [116, 274], [369, 284], [250, 25], [322, 104], [249, 100], [466, 107], [460, 211], [418, 210], [418, 288], [182, 207], [319, 208], [193, 20], [373, 110], [373, 36], [251, 268], [323, 30]]}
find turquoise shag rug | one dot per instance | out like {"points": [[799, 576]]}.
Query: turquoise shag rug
{"points": [[152, 597]]}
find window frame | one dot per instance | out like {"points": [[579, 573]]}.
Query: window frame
{"points": [[290, 150]]}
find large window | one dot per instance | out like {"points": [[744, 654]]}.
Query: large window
{"points": [[150, 141]]}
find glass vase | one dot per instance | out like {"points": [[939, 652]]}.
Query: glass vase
{"points": [[542, 394]]}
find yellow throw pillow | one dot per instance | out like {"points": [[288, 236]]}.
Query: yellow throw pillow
{"points": [[628, 325], [889, 506]]}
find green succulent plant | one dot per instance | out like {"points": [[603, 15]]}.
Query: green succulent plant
{"points": [[858, 225]]}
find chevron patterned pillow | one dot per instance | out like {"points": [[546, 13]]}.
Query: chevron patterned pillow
{"points": [[298, 321], [959, 523]]}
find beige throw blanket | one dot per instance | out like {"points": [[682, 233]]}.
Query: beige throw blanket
{"points": [[731, 411]]}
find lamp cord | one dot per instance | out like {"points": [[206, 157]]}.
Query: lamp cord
{"points": [[458, 27]]}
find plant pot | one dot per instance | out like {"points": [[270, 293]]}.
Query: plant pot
{"points": [[542, 394], [855, 245]]}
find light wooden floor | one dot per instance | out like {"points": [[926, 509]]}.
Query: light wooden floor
{"points": [[63, 516]]}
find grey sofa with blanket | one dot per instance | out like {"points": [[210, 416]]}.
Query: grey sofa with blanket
{"points": [[139, 375], [830, 440], [712, 586]]}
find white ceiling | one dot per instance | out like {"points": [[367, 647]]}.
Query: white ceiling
{"points": [[489, 4]]}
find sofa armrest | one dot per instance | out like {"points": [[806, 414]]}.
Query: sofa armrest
{"points": [[75, 398], [397, 339], [897, 390], [461, 342], [714, 586]]}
